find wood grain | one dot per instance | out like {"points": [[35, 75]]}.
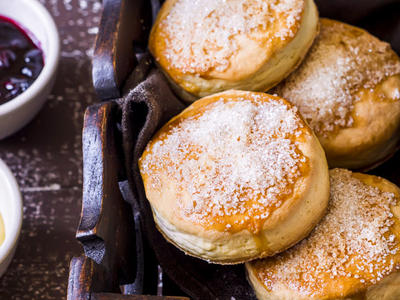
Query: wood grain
{"points": [[106, 226], [122, 32]]}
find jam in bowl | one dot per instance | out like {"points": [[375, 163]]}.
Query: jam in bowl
{"points": [[21, 60], [30, 52]]}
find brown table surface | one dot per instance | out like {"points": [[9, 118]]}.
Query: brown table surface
{"points": [[46, 159]]}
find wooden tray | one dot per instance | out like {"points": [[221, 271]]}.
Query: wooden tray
{"points": [[125, 256]]}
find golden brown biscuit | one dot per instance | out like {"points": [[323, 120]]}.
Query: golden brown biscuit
{"points": [[209, 46], [348, 89], [231, 177], [353, 253]]}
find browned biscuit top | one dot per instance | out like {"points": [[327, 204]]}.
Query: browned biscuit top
{"points": [[232, 160], [355, 246], [215, 38], [344, 63]]}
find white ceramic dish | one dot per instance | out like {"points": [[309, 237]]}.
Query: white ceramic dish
{"points": [[11, 211], [33, 17]]}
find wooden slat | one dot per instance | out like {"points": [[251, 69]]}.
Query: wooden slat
{"points": [[106, 228], [124, 26]]}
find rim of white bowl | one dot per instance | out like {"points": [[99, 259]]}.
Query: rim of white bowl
{"points": [[50, 64], [14, 230]]}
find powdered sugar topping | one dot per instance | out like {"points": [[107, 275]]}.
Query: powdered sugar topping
{"points": [[352, 241], [342, 61], [200, 34], [239, 158]]}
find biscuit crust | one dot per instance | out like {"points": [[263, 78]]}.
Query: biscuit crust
{"points": [[209, 46], [348, 90], [229, 178], [353, 253]]}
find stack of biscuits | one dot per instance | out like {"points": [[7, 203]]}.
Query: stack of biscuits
{"points": [[259, 168]]}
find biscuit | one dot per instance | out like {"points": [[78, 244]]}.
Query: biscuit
{"points": [[353, 253], [348, 90], [231, 177], [210, 46]]}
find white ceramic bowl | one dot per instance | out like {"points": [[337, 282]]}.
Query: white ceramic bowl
{"points": [[11, 211], [34, 17]]}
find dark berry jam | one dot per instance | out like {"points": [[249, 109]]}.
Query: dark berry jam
{"points": [[21, 60]]}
